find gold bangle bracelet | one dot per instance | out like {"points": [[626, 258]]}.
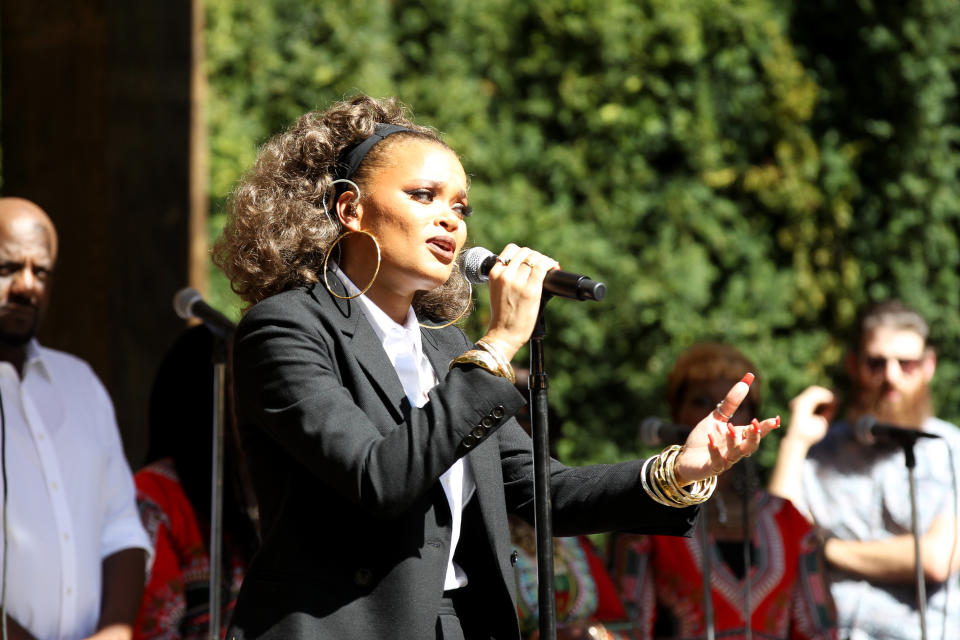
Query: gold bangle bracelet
{"points": [[662, 484], [700, 490], [482, 359], [649, 485], [501, 359]]}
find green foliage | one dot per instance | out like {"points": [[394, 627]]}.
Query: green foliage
{"points": [[723, 183], [889, 74]]}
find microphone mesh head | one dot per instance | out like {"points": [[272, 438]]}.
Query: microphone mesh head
{"points": [[473, 261], [183, 300]]}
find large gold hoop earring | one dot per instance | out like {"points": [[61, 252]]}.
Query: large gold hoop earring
{"points": [[326, 260], [457, 319]]}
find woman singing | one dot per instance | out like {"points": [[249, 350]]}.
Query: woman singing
{"points": [[381, 440]]}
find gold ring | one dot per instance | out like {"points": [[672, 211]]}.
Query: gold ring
{"points": [[528, 263], [502, 261]]}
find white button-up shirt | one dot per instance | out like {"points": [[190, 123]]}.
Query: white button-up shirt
{"points": [[71, 500], [404, 348]]}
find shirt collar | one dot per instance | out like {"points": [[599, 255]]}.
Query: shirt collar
{"points": [[383, 325], [33, 358]]}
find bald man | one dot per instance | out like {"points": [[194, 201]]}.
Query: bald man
{"points": [[76, 551]]}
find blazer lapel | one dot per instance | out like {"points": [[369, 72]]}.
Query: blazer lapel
{"points": [[365, 346]]}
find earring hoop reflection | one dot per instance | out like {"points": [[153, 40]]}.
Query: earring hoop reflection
{"points": [[326, 260]]}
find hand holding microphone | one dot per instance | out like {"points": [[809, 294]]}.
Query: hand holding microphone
{"points": [[519, 277], [478, 261], [516, 283]]}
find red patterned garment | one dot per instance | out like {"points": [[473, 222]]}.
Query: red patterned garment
{"points": [[175, 603], [587, 601], [661, 584]]}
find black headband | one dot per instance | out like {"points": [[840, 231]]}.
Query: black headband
{"points": [[351, 157]]}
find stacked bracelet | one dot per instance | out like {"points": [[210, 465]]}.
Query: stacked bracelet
{"points": [[485, 360], [663, 487], [478, 358], [502, 361]]}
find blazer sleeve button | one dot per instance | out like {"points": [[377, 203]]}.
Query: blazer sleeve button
{"points": [[498, 411], [488, 422], [478, 432], [468, 441], [514, 557]]}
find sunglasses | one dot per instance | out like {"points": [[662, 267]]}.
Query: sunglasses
{"points": [[877, 365]]}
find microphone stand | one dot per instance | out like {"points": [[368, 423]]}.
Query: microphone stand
{"points": [[543, 523], [707, 574], [911, 462], [745, 498], [216, 481]]}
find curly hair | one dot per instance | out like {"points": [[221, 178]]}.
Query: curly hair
{"points": [[277, 230]]}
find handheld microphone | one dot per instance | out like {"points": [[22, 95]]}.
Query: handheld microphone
{"points": [[868, 431], [189, 304], [655, 431], [478, 261]]}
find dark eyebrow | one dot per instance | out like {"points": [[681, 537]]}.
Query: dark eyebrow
{"points": [[462, 195]]}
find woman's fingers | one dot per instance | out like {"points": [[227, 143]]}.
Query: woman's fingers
{"points": [[729, 405], [504, 259], [522, 265], [516, 285], [726, 445], [716, 444]]}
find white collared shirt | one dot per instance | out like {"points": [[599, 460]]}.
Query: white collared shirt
{"points": [[71, 498], [404, 348]]}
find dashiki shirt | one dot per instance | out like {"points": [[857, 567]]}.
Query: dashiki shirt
{"points": [[661, 584], [176, 601], [585, 594]]}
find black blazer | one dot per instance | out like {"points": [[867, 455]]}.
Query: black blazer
{"points": [[355, 526]]}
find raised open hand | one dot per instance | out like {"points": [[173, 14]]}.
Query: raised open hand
{"points": [[810, 415], [716, 444]]}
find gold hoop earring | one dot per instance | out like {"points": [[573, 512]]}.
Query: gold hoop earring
{"points": [[462, 313], [326, 260]]}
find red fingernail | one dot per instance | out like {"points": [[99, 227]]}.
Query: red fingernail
{"points": [[710, 440], [778, 422], [748, 378], [756, 425], [731, 430]]}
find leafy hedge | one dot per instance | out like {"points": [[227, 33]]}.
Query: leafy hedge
{"points": [[740, 171]]}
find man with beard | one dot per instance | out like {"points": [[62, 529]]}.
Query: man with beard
{"points": [[75, 549], [857, 492]]}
